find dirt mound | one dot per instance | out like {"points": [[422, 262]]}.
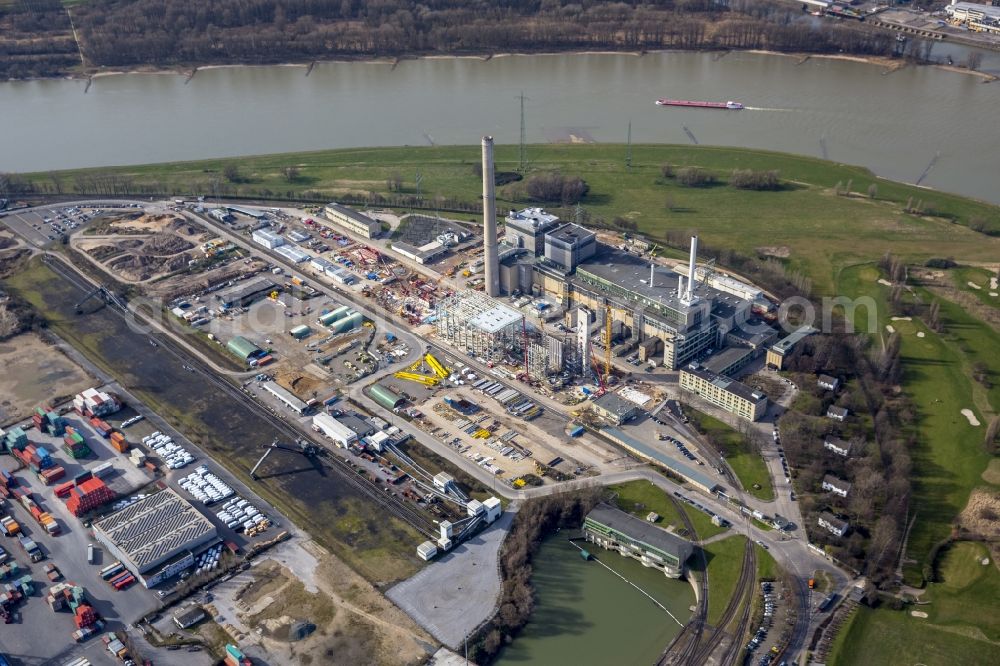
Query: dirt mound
{"points": [[981, 515], [138, 267], [102, 252], [130, 244], [285, 628], [183, 227], [166, 244]]}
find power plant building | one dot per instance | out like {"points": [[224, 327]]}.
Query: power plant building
{"points": [[652, 546], [570, 244], [527, 228]]}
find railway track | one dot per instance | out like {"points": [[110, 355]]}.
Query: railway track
{"points": [[697, 623], [701, 651], [341, 467]]}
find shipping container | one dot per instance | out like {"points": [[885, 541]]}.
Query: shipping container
{"points": [[112, 570], [122, 584]]}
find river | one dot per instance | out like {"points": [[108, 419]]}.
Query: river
{"points": [[894, 123], [586, 615]]}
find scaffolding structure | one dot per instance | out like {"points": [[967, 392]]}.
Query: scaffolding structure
{"points": [[479, 325]]}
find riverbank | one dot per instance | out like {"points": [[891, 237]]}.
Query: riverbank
{"points": [[190, 70]]}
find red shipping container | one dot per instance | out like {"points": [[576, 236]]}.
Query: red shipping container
{"points": [[64, 489]]}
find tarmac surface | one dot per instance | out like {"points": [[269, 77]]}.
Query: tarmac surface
{"points": [[459, 591]]}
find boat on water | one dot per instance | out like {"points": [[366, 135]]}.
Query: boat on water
{"points": [[730, 105]]}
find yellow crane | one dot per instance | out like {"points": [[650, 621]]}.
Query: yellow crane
{"points": [[607, 343]]}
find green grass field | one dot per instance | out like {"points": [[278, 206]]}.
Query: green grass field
{"points": [[641, 497], [962, 626], [748, 467], [725, 561], [767, 568], [950, 458], [820, 230]]}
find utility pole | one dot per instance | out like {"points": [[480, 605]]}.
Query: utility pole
{"points": [[628, 151], [522, 157]]}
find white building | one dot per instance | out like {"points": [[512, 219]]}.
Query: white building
{"points": [[334, 429], [493, 509], [838, 446], [833, 524], [836, 486], [267, 238], [293, 253], [352, 220], [426, 551]]}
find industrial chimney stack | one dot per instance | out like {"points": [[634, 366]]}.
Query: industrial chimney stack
{"points": [[491, 261], [691, 267]]}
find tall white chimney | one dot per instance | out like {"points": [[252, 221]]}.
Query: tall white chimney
{"points": [[651, 275], [691, 266], [491, 261]]}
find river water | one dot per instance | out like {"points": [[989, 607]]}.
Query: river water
{"points": [[857, 113], [587, 616]]}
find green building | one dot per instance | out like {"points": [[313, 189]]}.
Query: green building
{"points": [[654, 547]]}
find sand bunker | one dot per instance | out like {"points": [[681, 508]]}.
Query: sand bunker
{"points": [[919, 614], [884, 282], [902, 318], [993, 283], [889, 328], [920, 334], [994, 294], [973, 285], [971, 416]]}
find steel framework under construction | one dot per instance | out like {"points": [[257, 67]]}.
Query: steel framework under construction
{"points": [[479, 325]]}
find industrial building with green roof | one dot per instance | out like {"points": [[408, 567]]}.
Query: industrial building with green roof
{"points": [[653, 547], [243, 348]]}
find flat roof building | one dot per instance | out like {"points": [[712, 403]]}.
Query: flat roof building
{"points": [[779, 350], [285, 397], [267, 238], [526, 228], [733, 396], [649, 452], [730, 360], [162, 528], [615, 409], [334, 429], [352, 220], [421, 255], [569, 245], [653, 547], [245, 292]]}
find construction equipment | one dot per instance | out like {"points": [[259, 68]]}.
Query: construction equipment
{"points": [[436, 365], [607, 344], [420, 379], [304, 448], [102, 292]]}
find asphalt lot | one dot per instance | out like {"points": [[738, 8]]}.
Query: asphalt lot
{"points": [[32, 224], [458, 591]]}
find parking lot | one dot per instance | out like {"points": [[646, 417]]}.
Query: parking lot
{"points": [[42, 226], [770, 636]]}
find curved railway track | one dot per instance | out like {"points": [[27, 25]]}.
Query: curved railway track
{"points": [[342, 468]]}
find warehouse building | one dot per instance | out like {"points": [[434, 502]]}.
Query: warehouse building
{"points": [[285, 397], [615, 409], [244, 349], [653, 547], [267, 238], [155, 537], [245, 292], [385, 397], [352, 220], [293, 253], [421, 255], [733, 396], [339, 433], [691, 475]]}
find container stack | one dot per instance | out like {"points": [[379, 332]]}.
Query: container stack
{"points": [[84, 633], [8, 483], [43, 518], [71, 596], [63, 489], [48, 421], [118, 442], [74, 444], [87, 496], [15, 438], [52, 474], [36, 458], [137, 457], [101, 427], [93, 403], [103, 469], [9, 570], [235, 656]]}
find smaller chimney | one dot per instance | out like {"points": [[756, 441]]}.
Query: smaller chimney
{"points": [[691, 268], [651, 267]]}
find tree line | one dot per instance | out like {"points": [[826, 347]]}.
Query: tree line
{"points": [[178, 33]]}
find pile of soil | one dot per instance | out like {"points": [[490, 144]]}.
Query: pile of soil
{"points": [[164, 243], [102, 252], [981, 515]]}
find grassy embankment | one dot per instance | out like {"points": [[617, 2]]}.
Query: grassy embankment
{"points": [[641, 497], [748, 467], [725, 562], [820, 230]]}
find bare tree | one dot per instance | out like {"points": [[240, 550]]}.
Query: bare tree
{"points": [[291, 173]]}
